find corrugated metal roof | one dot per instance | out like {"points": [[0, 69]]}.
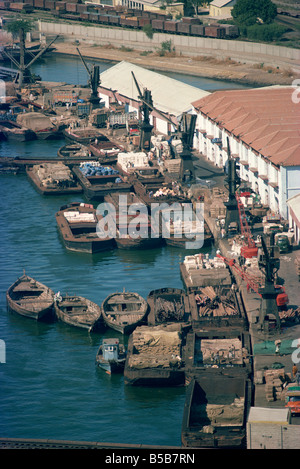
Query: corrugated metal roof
{"points": [[222, 3], [268, 415], [259, 117], [168, 95]]}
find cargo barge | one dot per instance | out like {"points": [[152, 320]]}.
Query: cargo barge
{"points": [[168, 305], [215, 412], [77, 224], [154, 356], [53, 179], [97, 180]]}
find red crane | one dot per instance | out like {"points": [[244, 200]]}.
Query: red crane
{"points": [[249, 249], [254, 283]]}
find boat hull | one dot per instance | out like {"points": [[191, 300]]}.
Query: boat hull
{"points": [[139, 243], [42, 314], [111, 367], [154, 378], [41, 189]]}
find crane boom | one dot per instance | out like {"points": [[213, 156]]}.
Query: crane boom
{"points": [[250, 249]]}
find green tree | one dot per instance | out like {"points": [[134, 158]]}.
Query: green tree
{"points": [[249, 12], [148, 30]]}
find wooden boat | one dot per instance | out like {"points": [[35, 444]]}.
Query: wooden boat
{"points": [[215, 412], [168, 305], [40, 124], [30, 298], [77, 224], [53, 179], [162, 193], [77, 311], [84, 136], [154, 356], [111, 356], [149, 237], [181, 232], [105, 150], [13, 131], [74, 151], [124, 311], [97, 180]]}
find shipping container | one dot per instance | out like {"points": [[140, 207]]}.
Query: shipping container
{"points": [[84, 16], [104, 19], [143, 21], [21, 7], [197, 29], [94, 17], [230, 30], [112, 19], [4, 5]]}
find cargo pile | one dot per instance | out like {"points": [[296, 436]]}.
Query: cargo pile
{"points": [[77, 217], [275, 383], [94, 168], [54, 174], [155, 347]]}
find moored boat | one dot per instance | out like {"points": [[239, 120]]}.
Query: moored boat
{"points": [[82, 135], [97, 180], [13, 131], [134, 229], [111, 356], [77, 224], [124, 311], [73, 151], [53, 179], [168, 305], [154, 356], [215, 412], [40, 124], [77, 311], [30, 298]]}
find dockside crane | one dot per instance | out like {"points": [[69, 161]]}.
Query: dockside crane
{"points": [[273, 296], [24, 75], [249, 249], [185, 129], [94, 82], [232, 183]]}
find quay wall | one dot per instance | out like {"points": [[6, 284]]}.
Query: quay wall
{"points": [[248, 52]]}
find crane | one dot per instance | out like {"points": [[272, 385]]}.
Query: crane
{"points": [[94, 81], [232, 183], [184, 130], [249, 249], [273, 296]]}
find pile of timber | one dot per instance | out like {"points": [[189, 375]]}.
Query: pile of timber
{"points": [[54, 173], [168, 310], [290, 315], [211, 304]]}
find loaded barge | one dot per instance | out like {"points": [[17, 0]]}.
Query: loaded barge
{"points": [[77, 224], [53, 179]]}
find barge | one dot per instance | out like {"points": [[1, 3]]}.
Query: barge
{"points": [[85, 136], [77, 224], [215, 412], [77, 311], [134, 229], [154, 356], [13, 131], [124, 311], [53, 179], [168, 305], [97, 180], [30, 298], [201, 271]]}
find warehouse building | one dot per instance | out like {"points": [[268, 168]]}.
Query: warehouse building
{"points": [[221, 8], [294, 216], [262, 127], [170, 97]]}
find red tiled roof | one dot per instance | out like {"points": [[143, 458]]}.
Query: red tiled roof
{"points": [[266, 119]]}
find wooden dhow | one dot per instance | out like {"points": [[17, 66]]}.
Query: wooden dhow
{"points": [[13, 131], [124, 311], [77, 311], [77, 224], [30, 298]]}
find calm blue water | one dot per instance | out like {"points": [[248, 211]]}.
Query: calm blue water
{"points": [[49, 385]]}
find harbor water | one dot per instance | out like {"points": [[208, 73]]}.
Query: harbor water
{"points": [[49, 385]]}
